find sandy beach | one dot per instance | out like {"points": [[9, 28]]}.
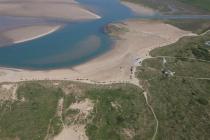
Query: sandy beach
{"points": [[140, 9], [135, 43]]}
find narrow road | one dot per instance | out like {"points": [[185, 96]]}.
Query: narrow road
{"points": [[196, 78], [133, 81], [155, 116]]}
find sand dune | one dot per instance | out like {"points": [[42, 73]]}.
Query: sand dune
{"points": [[142, 36]]}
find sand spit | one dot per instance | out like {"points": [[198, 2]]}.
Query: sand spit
{"points": [[115, 65], [140, 9], [23, 34]]}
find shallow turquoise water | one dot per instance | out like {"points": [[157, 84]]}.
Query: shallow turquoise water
{"points": [[74, 44]]}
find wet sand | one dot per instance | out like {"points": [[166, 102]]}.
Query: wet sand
{"points": [[136, 42], [27, 33]]}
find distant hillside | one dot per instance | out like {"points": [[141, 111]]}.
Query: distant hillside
{"points": [[177, 6], [203, 4]]}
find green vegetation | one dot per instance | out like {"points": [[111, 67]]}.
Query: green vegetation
{"points": [[120, 113], [182, 107], [203, 4], [29, 116], [196, 26], [193, 47], [195, 6], [180, 101]]}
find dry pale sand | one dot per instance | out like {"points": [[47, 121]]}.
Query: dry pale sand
{"points": [[142, 36], [27, 33], [140, 9], [75, 132], [84, 107], [8, 92], [54, 9]]}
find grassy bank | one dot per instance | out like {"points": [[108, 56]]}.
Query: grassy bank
{"points": [[181, 100], [119, 111], [195, 26], [203, 4], [193, 47], [120, 114], [28, 117]]}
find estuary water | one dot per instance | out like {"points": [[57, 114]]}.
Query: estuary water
{"points": [[76, 43]]}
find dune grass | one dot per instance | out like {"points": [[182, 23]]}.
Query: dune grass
{"points": [[120, 113], [29, 116], [203, 4], [193, 47], [195, 26]]}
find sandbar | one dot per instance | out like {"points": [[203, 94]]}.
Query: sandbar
{"points": [[26, 33]]}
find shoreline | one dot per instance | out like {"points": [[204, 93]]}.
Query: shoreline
{"points": [[115, 65], [91, 13]]}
